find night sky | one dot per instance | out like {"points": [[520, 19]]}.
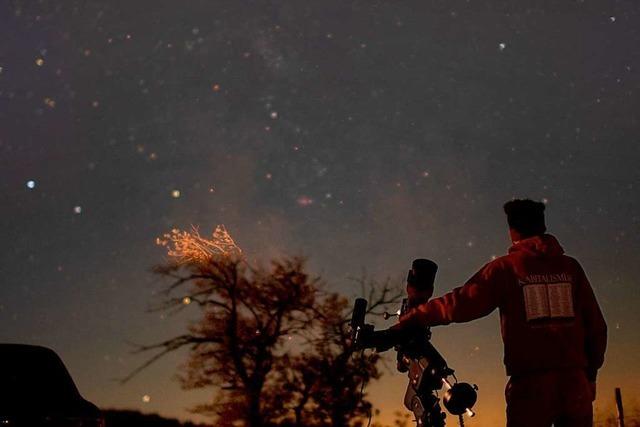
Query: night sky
{"points": [[361, 134]]}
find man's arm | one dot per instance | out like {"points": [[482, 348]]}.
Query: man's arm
{"points": [[594, 325], [479, 296]]}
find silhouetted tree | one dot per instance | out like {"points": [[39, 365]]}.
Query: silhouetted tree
{"points": [[270, 339], [326, 380]]}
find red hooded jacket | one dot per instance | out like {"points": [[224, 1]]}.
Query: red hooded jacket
{"points": [[549, 316]]}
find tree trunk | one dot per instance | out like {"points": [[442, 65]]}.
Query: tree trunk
{"points": [[338, 419], [254, 416]]}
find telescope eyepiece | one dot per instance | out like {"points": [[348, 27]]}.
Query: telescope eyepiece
{"points": [[422, 274]]}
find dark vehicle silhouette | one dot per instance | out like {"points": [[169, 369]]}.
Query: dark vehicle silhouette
{"points": [[36, 390]]}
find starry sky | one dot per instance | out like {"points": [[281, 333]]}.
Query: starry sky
{"points": [[361, 134]]}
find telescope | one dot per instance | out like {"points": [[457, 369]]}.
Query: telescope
{"points": [[427, 370]]}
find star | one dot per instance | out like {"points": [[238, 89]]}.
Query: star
{"points": [[304, 201]]}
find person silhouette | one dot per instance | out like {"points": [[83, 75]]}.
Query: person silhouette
{"points": [[553, 330]]}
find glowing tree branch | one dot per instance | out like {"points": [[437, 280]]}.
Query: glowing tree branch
{"points": [[189, 247]]}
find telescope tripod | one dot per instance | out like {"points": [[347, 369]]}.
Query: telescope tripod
{"points": [[428, 373], [426, 409]]}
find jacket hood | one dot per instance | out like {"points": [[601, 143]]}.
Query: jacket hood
{"points": [[543, 245]]}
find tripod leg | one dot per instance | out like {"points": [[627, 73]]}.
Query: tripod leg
{"points": [[437, 416], [433, 417]]}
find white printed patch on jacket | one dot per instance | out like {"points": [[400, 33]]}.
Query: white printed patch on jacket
{"points": [[547, 296]]}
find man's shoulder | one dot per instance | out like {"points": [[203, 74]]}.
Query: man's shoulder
{"points": [[498, 264], [573, 263], [570, 259], [500, 261]]}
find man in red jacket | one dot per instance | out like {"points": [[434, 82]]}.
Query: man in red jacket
{"points": [[553, 331]]}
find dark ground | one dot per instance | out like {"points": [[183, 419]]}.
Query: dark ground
{"points": [[128, 418]]}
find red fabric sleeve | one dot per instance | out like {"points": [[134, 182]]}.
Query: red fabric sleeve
{"points": [[477, 298], [594, 325]]}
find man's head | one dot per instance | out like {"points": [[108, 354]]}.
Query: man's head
{"points": [[525, 218]]}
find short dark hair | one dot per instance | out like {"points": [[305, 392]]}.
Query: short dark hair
{"points": [[526, 216]]}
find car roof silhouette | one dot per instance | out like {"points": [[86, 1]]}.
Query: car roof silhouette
{"points": [[33, 380]]}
